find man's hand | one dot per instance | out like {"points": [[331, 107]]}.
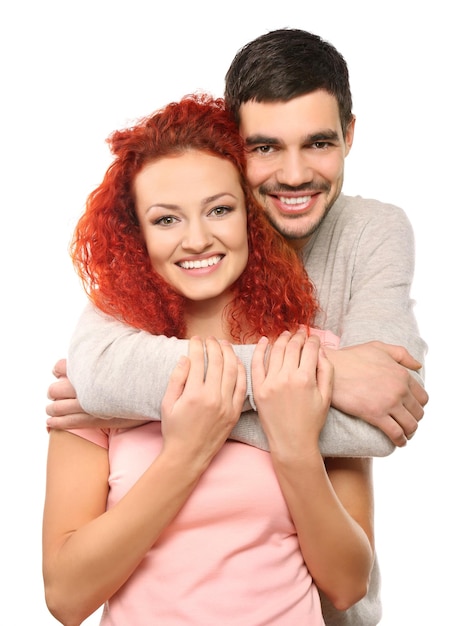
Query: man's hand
{"points": [[373, 382], [65, 411]]}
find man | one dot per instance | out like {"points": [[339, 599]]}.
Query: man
{"points": [[290, 94]]}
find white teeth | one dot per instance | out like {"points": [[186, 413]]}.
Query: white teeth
{"points": [[301, 200], [189, 265]]}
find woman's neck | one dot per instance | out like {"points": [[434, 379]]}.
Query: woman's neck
{"points": [[206, 319]]}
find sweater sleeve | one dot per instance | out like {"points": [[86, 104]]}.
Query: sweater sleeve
{"points": [[120, 371], [380, 305]]}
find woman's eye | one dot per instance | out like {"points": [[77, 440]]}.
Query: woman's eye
{"points": [[220, 210], [166, 220]]}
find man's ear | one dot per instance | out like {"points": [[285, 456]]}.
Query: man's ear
{"points": [[349, 138]]}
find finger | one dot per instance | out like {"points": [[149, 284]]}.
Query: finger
{"points": [[402, 356], [230, 369], [393, 430], [277, 353], [176, 383], [233, 386], [407, 415], [84, 420], [412, 407], [294, 350], [407, 422], [258, 362], [215, 364], [60, 423], [60, 368], [309, 357], [325, 375], [197, 363], [61, 408], [75, 420], [420, 394], [400, 427], [61, 390], [240, 387]]}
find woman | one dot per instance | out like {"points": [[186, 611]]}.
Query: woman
{"points": [[171, 522]]}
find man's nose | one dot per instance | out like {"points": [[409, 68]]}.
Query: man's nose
{"points": [[295, 169]]}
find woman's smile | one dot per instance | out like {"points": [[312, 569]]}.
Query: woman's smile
{"points": [[192, 213]]}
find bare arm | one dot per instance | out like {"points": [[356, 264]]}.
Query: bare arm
{"points": [[331, 503], [88, 551]]}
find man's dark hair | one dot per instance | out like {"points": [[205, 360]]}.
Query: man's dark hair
{"points": [[284, 64]]}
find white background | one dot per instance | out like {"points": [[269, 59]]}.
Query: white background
{"points": [[73, 72]]}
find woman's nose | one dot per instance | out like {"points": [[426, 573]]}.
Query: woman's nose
{"points": [[198, 237]]}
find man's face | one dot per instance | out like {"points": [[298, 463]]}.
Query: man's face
{"points": [[295, 160]]}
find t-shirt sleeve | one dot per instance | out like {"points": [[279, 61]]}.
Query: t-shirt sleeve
{"points": [[95, 435]]}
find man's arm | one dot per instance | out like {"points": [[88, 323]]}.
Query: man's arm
{"points": [[122, 372], [381, 308], [342, 436], [362, 263], [386, 393], [118, 370]]}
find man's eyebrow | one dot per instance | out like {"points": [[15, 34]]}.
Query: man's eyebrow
{"points": [[323, 135], [253, 140], [265, 140]]}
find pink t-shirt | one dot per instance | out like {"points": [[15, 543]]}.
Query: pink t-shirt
{"points": [[230, 557], [327, 338]]}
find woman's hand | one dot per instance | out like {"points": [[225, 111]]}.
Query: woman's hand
{"points": [[203, 403], [292, 385]]}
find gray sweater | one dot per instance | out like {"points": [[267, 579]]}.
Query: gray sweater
{"points": [[361, 261]]}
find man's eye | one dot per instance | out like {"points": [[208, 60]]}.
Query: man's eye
{"points": [[264, 149]]}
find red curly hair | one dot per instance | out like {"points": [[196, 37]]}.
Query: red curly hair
{"points": [[273, 293]]}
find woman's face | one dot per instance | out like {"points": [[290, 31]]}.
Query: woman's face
{"points": [[192, 213]]}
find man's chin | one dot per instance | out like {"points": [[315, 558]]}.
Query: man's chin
{"points": [[295, 230]]}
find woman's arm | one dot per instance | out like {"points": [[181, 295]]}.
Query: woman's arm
{"points": [[332, 508], [88, 552], [331, 503]]}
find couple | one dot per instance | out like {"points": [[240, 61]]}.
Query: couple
{"points": [[295, 145]]}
